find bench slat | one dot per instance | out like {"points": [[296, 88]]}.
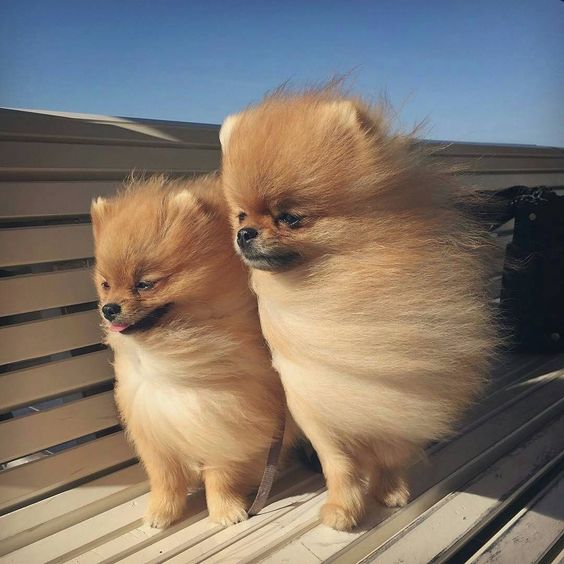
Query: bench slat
{"points": [[43, 518], [46, 199], [25, 157], [32, 433], [34, 292], [99, 128], [457, 517], [41, 338], [505, 164], [509, 388], [492, 149], [54, 379], [93, 128], [30, 156], [504, 180], [28, 245], [60, 198], [29, 482], [532, 532]]}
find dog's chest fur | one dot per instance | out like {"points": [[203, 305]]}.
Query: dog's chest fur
{"points": [[167, 401]]}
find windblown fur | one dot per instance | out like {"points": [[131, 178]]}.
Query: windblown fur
{"points": [[373, 301], [195, 386]]}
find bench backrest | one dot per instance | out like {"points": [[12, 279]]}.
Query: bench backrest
{"points": [[59, 425]]}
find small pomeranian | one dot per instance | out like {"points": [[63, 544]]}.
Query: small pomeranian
{"points": [[195, 384], [370, 285]]}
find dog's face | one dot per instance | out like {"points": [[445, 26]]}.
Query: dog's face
{"points": [[154, 251], [292, 173]]}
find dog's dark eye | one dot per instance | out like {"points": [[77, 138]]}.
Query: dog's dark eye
{"points": [[241, 217], [289, 219], [105, 285], [144, 285]]}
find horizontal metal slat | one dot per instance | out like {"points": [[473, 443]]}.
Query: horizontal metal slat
{"points": [[51, 199], [54, 379], [459, 148], [34, 292], [63, 126], [25, 156], [505, 164], [37, 199], [70, 198], [504, 180], [41, 338], [29, 482], [532, 532], [28, 245], [32, 433]]}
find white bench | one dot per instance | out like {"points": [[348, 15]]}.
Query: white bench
{"points": [[72, 490]]}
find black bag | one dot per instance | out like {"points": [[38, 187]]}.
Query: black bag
{"points": [[532, 295]]}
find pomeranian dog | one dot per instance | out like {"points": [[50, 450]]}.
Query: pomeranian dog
{"points": [[194, 381], [370, 285]]}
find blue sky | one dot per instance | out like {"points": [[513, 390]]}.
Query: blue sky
{"points": [[481, 70]]}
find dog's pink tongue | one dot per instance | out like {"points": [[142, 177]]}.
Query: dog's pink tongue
{"points": [[118, 328]]}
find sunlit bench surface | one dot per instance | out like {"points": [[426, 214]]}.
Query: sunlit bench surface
{"points": [[71, 489]]}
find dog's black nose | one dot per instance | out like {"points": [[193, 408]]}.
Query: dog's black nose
{"points": [[245, 235], [111, 311]]}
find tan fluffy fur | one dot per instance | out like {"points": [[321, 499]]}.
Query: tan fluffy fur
{"points": [[379, 327], [196, 391]]}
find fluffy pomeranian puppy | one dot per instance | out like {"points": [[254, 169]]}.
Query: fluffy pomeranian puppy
{"points": [[195, 385], [370, 285]]}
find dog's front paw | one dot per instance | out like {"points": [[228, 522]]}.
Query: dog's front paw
{"points": [[397, 497], [392, 492], [338, 517], [163, 511], [228, 512]]}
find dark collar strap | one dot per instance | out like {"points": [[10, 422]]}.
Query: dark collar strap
{"points": [[269, 470]]}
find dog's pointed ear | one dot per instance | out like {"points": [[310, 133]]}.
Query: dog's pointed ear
{"points": [[202, 196], [98, 211], [350, 114], [226, 130], [345, 111], [182, 199]]}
